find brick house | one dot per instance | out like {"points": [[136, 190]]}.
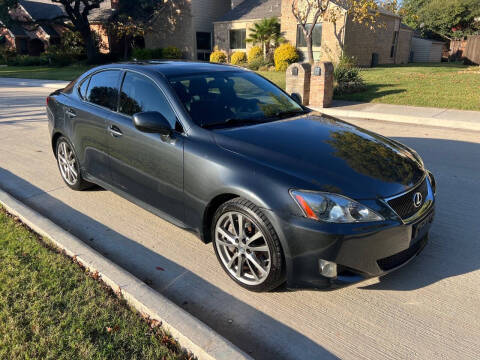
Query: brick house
{"points": [[28, 39], [233, 28], [188, 25], [388, 44]]}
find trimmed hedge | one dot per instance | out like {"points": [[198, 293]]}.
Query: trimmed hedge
{"points": [[238, 58], [285, 55], [218, 57], [254, 54]]}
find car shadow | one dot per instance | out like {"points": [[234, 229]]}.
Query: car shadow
{"points": [[253, 331], [454, 244]]}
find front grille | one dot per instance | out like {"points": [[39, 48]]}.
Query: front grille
{"points": [[402, 257], [404, 206]]}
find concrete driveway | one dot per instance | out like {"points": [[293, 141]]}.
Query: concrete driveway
{"points": [[427, 310]]}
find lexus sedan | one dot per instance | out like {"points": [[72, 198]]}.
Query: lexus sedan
{"points": [[285, 194]]}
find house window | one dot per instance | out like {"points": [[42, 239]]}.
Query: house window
{"points": [[238, 39], [394, 44], [204, 45], [204, 41], [316, 36]]}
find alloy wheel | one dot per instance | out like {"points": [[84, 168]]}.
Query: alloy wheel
{"points": [[67, 163], [242, 248]]}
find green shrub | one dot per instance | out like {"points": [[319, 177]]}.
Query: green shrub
{"points": [[58, 56], [254, 54], [6, 53], [238, 58], [27, 60], [147, 54], [285, 55], [172, 52], [348, 80], [347, 62], [258, 63], [218, 57]]}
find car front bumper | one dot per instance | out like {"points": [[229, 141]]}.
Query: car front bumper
{"points": [[361, 251]]}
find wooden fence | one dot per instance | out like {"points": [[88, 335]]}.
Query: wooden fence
{"points": [[467, 49], [472, 50]]}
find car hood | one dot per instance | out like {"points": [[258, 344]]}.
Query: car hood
{"points": [[328, 155]]}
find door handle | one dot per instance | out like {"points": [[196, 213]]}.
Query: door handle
{"points": [[70, 113], [114, 131]]}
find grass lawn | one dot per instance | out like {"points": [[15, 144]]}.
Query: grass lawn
{"points": [[444, 85], [50, 309], [67, 73], [275, 77]]}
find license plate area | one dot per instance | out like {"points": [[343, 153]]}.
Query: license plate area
{"points": [[419, 229]]}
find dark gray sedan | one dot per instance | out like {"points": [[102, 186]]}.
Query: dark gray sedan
{"points": [[284, 193]]}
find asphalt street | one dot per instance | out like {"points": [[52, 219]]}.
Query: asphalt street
{"points": [[429, 309]]}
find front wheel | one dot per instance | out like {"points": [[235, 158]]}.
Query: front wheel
{"points": [[69, 166], [247, 246]]}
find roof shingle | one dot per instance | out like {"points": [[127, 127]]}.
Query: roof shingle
{"points": [[254, 9], [42, 9]]}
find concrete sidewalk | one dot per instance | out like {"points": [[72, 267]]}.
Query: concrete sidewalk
{"points": [[449, 118]]}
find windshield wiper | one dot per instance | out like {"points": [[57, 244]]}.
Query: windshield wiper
{"points": [[286, 114], [231, 122]]}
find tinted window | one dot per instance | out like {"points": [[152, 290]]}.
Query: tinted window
{"points": [[140, 94], [103, 89], [228, 97], [238, 39], [316, 36]]}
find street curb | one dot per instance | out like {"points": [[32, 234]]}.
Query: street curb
{"points": [[191, 333], [404, 119], [50, 84]]}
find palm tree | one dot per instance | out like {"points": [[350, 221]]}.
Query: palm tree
{"points": [[267, 33]]}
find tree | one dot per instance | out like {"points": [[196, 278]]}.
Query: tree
{"points": [[449, 20], [5, 6], [266, 33], [133, 18], [76, 11], [126, 29], [309, 12]]}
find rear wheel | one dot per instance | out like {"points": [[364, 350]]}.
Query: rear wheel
{"points": [[69, 166], [247, 246]]}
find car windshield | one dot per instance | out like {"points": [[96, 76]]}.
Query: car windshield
{"points": [[232, 98]]}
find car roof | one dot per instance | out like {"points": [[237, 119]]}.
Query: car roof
{"points": [[171, 68]]}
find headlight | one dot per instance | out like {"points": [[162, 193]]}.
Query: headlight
{"points": [[332, 208]]}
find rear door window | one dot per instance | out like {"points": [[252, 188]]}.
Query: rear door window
{"points": [[140, 94], [103, 89]]}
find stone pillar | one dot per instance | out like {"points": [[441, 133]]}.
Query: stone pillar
{"points": [[298, 82], [321, 85]]}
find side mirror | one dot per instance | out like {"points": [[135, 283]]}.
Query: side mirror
{"points": [[152, 122]]}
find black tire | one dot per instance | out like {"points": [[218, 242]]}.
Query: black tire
{"points": [[79, 184], [276, 275]]}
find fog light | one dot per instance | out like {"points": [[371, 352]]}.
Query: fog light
{"points": [[327, 268]]}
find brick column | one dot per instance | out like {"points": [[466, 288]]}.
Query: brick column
{"points": [[298, 81], [321, 85]]}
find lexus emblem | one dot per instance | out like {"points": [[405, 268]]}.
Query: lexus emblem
{"points": [[417, 199]]}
